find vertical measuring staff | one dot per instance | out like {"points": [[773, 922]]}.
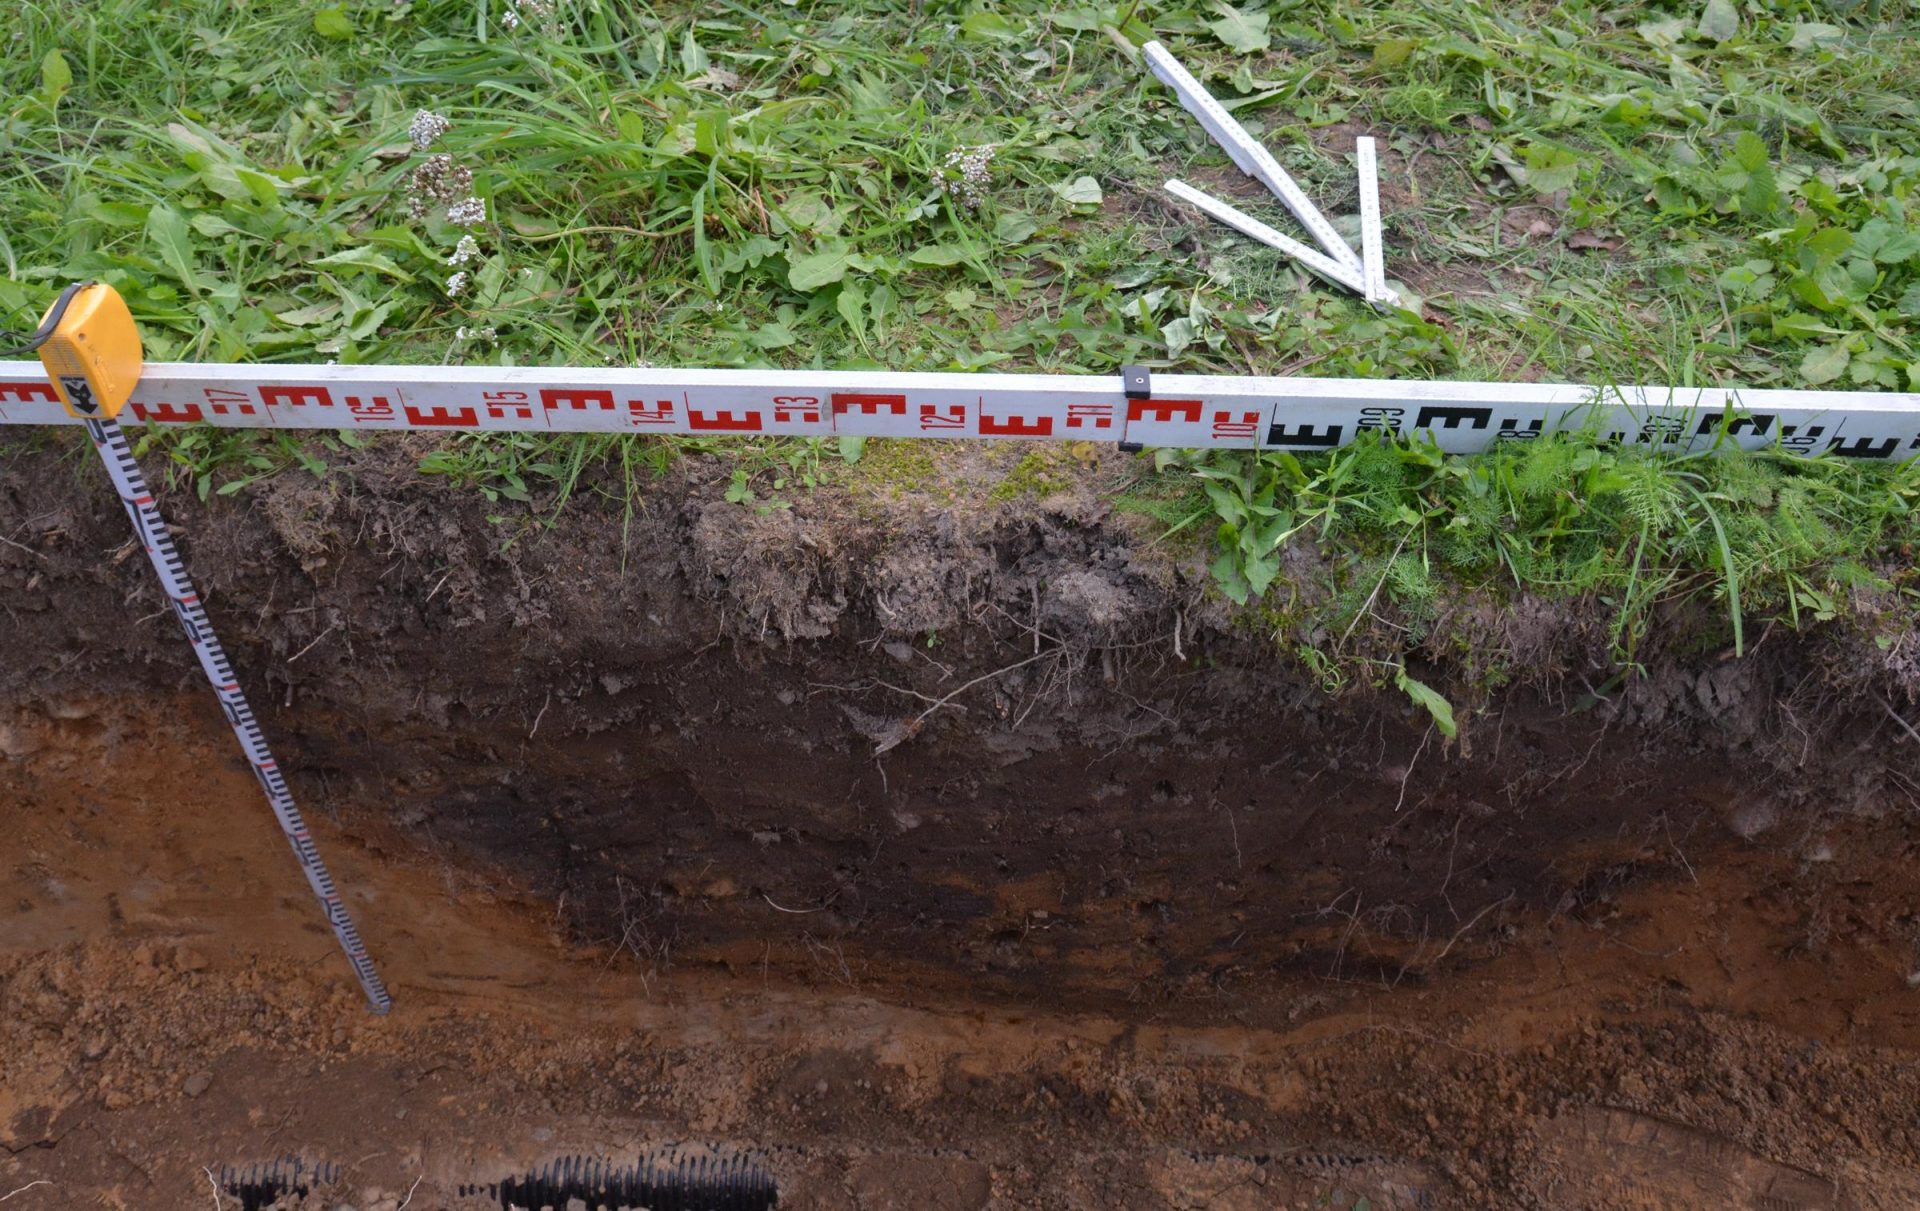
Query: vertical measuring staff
{"points": [[111, 442]]}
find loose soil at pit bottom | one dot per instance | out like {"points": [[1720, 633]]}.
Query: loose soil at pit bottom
{"points": [[951, 855]]}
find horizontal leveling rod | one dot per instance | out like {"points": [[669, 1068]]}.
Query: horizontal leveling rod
{"points": [[1178, 410]]}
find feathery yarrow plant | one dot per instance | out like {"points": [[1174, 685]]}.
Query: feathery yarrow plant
{"points": [[965, 174], [426, 127], [542, 14], [441, 181], [467, 212], [438, 181]]}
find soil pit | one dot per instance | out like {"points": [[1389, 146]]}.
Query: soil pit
{"points": [[940, 858]]}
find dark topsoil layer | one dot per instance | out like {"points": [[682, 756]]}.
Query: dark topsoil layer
{"points": [[1016, 749]]}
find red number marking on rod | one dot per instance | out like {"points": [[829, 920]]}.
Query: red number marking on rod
{"points": [[660, 414], [1224, 426], [1080, 415], [789, 408], [499, 403], [943, 416], [374, 407], [224, 400]]}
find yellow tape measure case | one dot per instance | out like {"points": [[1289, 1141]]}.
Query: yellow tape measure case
{"points": [[93, 353]]}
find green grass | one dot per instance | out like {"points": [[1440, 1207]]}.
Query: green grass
{"points": [[1721, 192], [1574, 190], [1757, 536]]}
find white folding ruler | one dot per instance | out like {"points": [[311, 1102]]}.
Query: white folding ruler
{"points": [[1362, 272]]}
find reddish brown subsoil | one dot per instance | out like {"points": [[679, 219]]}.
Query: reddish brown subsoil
{"points": [[170, 1001], [948, 856]]}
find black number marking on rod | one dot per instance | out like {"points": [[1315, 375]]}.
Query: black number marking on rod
{"points": [[111, 442]]}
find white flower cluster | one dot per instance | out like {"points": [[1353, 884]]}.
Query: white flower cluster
{"points": [[426, 127], [468, 212], [543, 13], [964, 175], [440, 180]]}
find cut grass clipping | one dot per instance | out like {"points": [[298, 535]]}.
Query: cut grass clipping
{"points": [[1700, 193]]}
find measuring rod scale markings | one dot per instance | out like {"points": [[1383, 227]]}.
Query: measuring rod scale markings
{"points": [[90, 350], [1197, 411]]}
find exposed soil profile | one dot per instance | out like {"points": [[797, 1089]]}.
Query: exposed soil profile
{"points": [[945, 855]]}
